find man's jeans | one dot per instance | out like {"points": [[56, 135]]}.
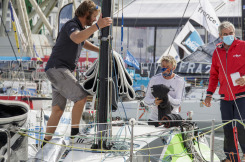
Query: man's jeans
{"points": [[228, 112]]}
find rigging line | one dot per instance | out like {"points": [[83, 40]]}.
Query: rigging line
{"points": [[97, 93], [230, 13], [142, 149], [110, 82], [138, 14], [179, 26], [118, 94], [122, 23], [14, 28], [117, 25], [118, 15], [112, 9], [141, 136], [115, 73], [109, 74], [216, 9], [219, 6], [125, 6], [19, 62], [117, 89], [234, 99], [238, 19], [110, 86]]}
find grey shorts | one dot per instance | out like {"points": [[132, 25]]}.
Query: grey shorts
{"points": [[64, 86]]}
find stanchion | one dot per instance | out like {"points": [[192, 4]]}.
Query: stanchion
{"points": [[138, 107], [212, 143], [132, 123]]}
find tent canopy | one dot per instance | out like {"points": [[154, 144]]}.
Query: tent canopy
{"points": [[169, 12]]}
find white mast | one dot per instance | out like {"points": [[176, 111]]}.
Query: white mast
{"points": [[4, 15], [33, 12], [26, 27]]}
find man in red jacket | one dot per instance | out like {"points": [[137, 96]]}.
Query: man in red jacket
{"points": [[228, 68]]}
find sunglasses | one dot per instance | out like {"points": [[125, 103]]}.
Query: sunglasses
{"points": [[96, 7]]}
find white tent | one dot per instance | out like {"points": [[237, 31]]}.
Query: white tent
{"points": [[169, 12]]}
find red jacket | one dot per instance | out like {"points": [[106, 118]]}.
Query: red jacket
{"points": [[232, 61]]}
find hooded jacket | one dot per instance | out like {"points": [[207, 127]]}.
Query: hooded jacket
{"points": [[224, 63]]}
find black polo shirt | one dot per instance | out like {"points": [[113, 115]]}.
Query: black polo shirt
{"points": [[66, 53]]}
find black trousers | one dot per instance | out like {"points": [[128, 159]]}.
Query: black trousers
{"points": [[229, 111]]}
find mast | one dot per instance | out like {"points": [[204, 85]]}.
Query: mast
{"points": [[243, 19], [4, 15], [104, 99]]}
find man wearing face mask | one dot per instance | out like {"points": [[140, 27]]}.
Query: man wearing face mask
{"points": [[228, 68], [63, 61], [175, 83]]}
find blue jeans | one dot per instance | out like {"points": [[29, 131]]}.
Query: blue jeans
{"points": [[228, 112]]}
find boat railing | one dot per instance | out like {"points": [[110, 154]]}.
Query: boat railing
{"points": [[131, 138]]}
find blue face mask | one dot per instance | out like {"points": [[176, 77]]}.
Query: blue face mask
{"points": [[228, 39], [164, 69], [166, 74]]}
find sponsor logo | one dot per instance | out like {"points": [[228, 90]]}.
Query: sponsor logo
{"points": [[171, 88], [191, 44], [151, 69], [207, 16], [64, 20], [237, 55], [198, 68], [192, 41]]}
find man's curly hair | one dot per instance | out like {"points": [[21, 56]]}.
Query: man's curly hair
{"points": [[85, 7]]}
